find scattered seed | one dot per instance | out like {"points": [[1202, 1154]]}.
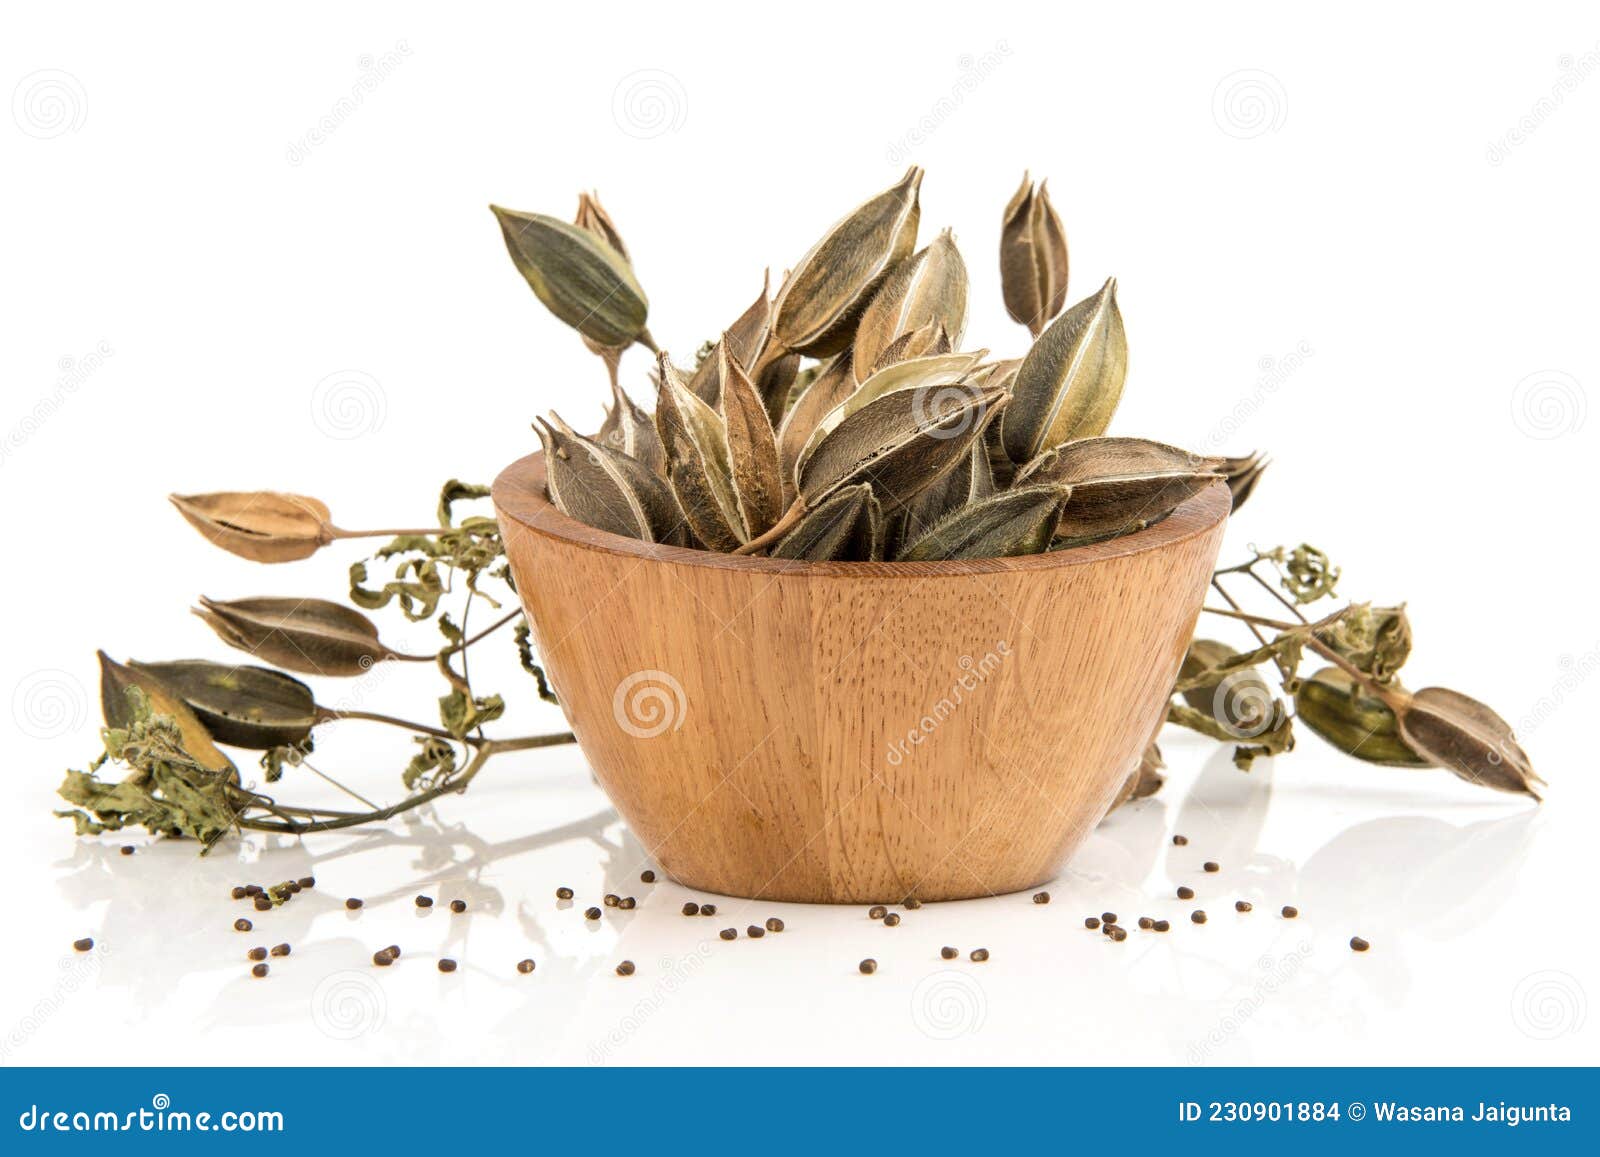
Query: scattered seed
{"points": [[238, 892], [755, 932], [259, 971], [382, 958], [949, 953], [1186, 893], [625, 968], [83, 945], [1290, 911], [774, 924], [447, 965], [525, 966], [1198, 916], [980, 954], [877, 912], [281, 950], [294, 886], [1212, 866], [729, 934], [127, 849], [1242, 905], [1180, 841], [1041, 897], [308, 881], [1161, 926], [424, 901], [394, 951], [252, 889], [1091, 922], [611, 900], [1119, 933], [891, 919], [354, 903], [912, 903], [647, 877], [263, 904], [563, 893], [242, 925], [256, 954], [868, 966], [627, 903], [1359, 944], [458, 905], [1146, 923], [691, 909], [708, 909], [592, 913], [1107, 929], [1108, 917]]}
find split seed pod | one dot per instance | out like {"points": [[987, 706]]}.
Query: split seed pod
{"points": [[307, 636], [833, 384], [1118, 484], [1033, 258], [1013, 522], [744, 340], [849, 525], [251, 707], [579, 276], [1466, 738], [1069, 384], [928, 375], [695, 441], [605, 489], [928, 288], [117, 710], [1343, 714], [752, 447], [261, 525]]}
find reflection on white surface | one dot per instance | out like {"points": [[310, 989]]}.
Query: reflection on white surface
{"points": [[1469, 962]]}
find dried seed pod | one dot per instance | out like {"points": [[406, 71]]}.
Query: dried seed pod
{"points": [[695, 440], [1240, 701], [1338, 710], [1118, 484], [308, 636], [971, 481], [1033, 257], [848, 525], [927, 288], [834, 382], [817, 307], [744, 341], [605, 489], [630, 431], [1242, 475], [934, 375], [752, 447], [251, 707], [1466, 738], [578, 275], [1012, 522], [117, 709], [929, 340], [261, 525], [1069, 384], [1144, 780]]}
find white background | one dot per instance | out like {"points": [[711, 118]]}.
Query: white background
{"points": [[1366, 243]]}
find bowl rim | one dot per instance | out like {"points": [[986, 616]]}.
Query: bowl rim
{"points": [[519, 496]]}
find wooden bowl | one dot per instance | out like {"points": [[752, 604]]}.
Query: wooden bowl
{"points": [[858, 732]]}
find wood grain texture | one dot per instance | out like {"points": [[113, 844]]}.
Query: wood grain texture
{"points": [[858, 732]]}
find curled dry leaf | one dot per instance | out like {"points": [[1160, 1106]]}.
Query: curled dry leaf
{"points": [[927, 289], [308, 636], [605, 489], [1033, 258], [1013, 522], [1118, 484], [578, 275], [1377, 640], [1340, 712], [817, 306], [1069, 384], [1465, 737], [695, 441], [260, 525], [849, 525], [251, 707], [118, 710]]}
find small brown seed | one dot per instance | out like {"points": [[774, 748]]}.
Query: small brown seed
{"points": [[691, 909], [525, 966], [259, 971], [1358, 944], [708, 909], [252, 889], [424, 901], [1146, 923], [755, 932], [949, 953], [563, 893], [729, 934], [868, 966], [281, 950], [1198, 916], [353, 903], [1290, 911], [1212, 866], [877, 912], [238, 892], [1180, 841], [647, 877], [308, 881], [611, 900], [592, 913], [83, 945], [890, 919], [394, 951], [1186, 893], [627, 903], [256, 954], [912, 903], [980, 954], [1108, 917], [625, 968], [1091, 921], [294, 886], [458, 905], [242, 925], [1041, 897], [1242, 905], [127, 849], [1119, 933], [1107, 929], [382, 958], [774, 924], [447, 965], [263, 904], [1161, 926]]}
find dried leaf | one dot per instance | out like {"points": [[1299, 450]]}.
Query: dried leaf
{"points": [[1338, 711], [849, 525], [696, 444], [579, 277], [251, 707], [1033, 258], [604, 489], [1013, 522], [817, 306], [1376, 640], [1118, 485], [1069, 384], [1467, 738], [929, 288], [261, 525], [752, 447], [308, 636], [121, 712]]}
